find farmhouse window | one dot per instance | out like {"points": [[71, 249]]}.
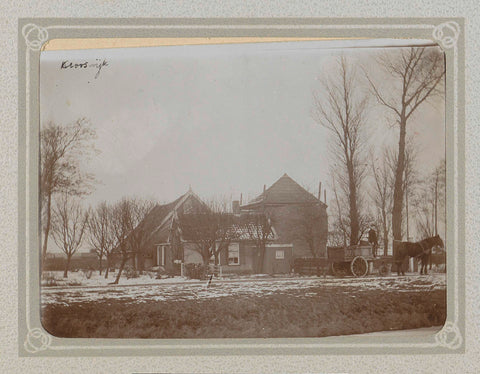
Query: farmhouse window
{"points": [[279, 254], [234, 254]]}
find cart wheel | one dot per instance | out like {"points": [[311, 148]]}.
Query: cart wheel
{"points": [[359, 266], [338, 269]]}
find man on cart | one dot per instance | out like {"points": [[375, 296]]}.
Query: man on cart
{"points": [[372, 239]]}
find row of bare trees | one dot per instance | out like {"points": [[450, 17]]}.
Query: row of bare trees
{"points": [[109, 229], [403, 81], [114, 232]]}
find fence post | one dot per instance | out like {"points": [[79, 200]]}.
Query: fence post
{"points": [[182, 269]]}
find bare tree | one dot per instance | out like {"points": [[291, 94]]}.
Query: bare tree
{"points": [[259, 229], [227, 230], [430, 202], [211, 228], [307, 226], [201, 230], [130, 235], [68, 226], [342, 112], [100, 234], [381, 195], [210, 233], [61, 149], [139, 210], [340, 232], [410, 178], [413, 75], [438, 180]]}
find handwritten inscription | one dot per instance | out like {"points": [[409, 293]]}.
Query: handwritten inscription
{"points": [[98, 65]]}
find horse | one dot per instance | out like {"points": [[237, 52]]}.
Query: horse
{"points": [[421, 250]]}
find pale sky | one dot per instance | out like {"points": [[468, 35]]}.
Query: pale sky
{"points": [[223, 119]]}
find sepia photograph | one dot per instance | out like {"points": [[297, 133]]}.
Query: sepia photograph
{"points": [[243, 190]]}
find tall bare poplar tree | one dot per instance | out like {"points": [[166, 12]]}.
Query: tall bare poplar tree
{"points": [[61, 150], [413, 76], [381, 195], [341, 110]]}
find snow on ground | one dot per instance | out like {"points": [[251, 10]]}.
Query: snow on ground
{"points": [[146, 289], [81, 278]]}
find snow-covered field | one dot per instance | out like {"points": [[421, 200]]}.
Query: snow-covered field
{"points": [[146, 288]]}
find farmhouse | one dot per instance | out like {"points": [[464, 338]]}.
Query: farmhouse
{"points": [[164, 245], [300, 218], [263, 236]]}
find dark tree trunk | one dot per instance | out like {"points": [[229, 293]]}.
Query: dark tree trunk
{"points": [[354, 222], [47, 228], [100, 265], [67, 266], [406, 212], [261, 259], [385, 234], [206, 254], [436, 205], [108, 267], [122, 265], [398, 187]]}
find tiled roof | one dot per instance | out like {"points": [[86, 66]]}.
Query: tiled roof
{"points": [[242, 232], [244, 227], [284, 191]]}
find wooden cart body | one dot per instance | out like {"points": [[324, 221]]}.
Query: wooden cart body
{"points": [[356, 260]]}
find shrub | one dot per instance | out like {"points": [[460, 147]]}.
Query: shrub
{"points": [[196, 271], [87, 273], [49, 280], [244, 272], [130, 272], [74, 283]]}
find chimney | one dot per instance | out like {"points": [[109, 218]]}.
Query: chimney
{"points": [[264, 188], [319, 191], [236, 207], [241, 196], [325, 196]]}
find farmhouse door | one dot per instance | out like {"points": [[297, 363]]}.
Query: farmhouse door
{"points": [[278, 259]]}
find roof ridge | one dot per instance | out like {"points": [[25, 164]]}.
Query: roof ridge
{"points": [[174, 207], [299, 185], [264, 195]]}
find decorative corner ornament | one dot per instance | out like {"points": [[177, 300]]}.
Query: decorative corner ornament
{"points": [[35, 36], [449, 336], [37, 340], [447, 34]]}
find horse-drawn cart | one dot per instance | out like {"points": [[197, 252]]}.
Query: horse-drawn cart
{"points": [[355, 260]]}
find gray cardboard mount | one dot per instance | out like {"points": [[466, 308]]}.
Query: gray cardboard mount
{"points": [[33, 340]]}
